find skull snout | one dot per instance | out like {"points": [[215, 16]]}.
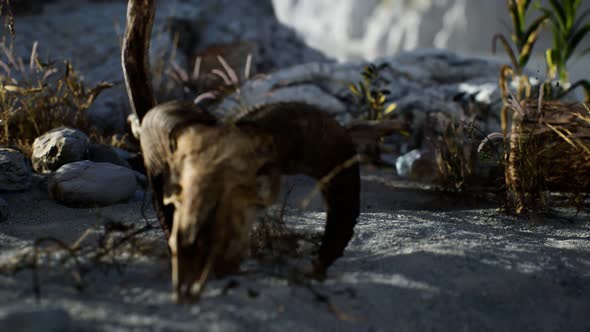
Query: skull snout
{"points": [[190, 273]]}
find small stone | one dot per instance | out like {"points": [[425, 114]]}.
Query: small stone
{"points": [[4, 212], [15, 172], [417, 165], [36, 320], [89, 184], [58, 147]]}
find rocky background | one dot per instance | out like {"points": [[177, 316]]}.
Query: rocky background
{"points": [[372, 29], [423, 83]]}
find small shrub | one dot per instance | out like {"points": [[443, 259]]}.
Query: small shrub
{"points": [[370, 96], [549, 152], [37, 96], [468, 159]]}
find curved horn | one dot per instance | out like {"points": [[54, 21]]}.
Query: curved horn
{"points": [[306, 140], [158, 124], [135, 56], [309, 141]]}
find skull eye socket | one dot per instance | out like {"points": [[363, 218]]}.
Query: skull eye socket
{"points": [[266, 169], [200, 234]]}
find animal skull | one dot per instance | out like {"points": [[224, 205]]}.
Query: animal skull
{"points": [[209, 178], [220, 179]]}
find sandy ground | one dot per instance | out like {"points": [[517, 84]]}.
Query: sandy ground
{"points": [[419, 261]]}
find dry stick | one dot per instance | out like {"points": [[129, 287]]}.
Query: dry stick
{"points": [[35, 275], [248, 66], [5, 67], [284, 207], [196, 69], [327, 178], [231, 73], [285, 200], [128, 237], [75, 251], [319, 296], [300, 280], [33, 56]]}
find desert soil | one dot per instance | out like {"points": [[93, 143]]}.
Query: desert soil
{"points": [[419, 261]]}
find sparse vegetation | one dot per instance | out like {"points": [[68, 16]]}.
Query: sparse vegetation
{"points": [[370, 96], [549, 151], [455, 155], [373, 112], [569, 28], [37, 96], [523, 37], [106, 247]]}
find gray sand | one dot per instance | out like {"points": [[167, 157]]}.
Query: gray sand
{"points": [[418, 261]]}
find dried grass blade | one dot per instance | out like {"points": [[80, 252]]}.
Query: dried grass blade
{"points": [[197, 68], [248, 66], [562, 135], [223, 76], [229, 70], [33, 55]]}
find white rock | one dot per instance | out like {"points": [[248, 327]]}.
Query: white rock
{"points": [[15, 172], [417, 165], [86, 183], [420, 82], [58, 147]]}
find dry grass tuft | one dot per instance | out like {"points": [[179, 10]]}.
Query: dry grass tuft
{"points": [[37, 96], [455, 156], [549, 151], [274, 243], [464, 164], [112, 245]]}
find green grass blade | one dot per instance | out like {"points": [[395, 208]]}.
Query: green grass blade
{"points": [[580, 20], [507, 48], [559, 13], [536, 25], [525, 5], [575, 40], [515, 15], [532, 37], [581, 83]]}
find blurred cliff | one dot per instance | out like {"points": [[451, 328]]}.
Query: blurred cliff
{"points": [[369, 29]]}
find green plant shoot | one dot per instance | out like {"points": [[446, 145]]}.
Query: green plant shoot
{"points": [[523, 37]]}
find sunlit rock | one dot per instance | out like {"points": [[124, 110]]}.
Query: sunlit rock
{"points": [[58, 147], [87, 184]]}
